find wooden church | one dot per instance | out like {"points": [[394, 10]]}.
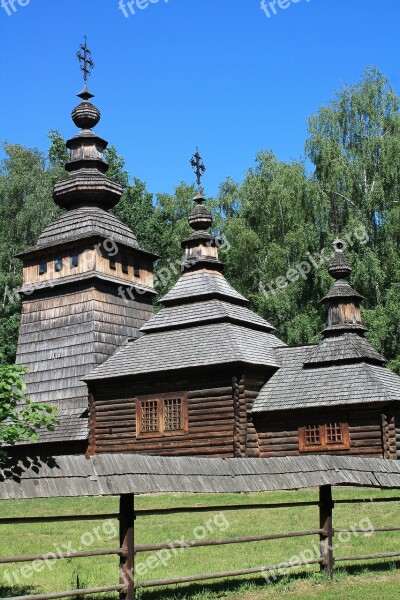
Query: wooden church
{"points": [[205, 376]]}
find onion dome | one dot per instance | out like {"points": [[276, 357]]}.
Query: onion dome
{"points": [[342, 302], [85, 115], [87, 184]]}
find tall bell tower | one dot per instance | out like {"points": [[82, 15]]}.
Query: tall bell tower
{"points": [[74, 315]]}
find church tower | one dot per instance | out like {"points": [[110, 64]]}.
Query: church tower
{"points": [[74, 315]]}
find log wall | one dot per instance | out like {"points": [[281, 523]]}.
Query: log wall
{"points": [[218, 422], [210, 416], [278, 432]]}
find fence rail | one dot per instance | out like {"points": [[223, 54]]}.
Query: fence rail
{"points": [[127, 550]]}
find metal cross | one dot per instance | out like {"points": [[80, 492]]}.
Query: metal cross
{"points": [[198, 166], [86, 62]]}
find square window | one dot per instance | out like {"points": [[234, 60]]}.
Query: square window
{"points": [[163, 415], [136, 271], [58, 264], [113, 263], [323, 438], [42, 267]]}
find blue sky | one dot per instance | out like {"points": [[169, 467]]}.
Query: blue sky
{"points": [[218, 74]]}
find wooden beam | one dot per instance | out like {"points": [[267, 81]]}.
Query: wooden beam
{"points": [[325, 521], [127, 542]]}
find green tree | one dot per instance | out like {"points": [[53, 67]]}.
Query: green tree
{"points": [[279, 218], [20, 418], [354, 144]]}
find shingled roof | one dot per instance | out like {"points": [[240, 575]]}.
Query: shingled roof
{"points": [[189, 347], [208, 311], [295, 386], [83, 223], [344, 347], [205, 320], [344, 369], [114, 474], [199, 285]]}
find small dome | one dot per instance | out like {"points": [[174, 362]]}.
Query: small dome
{"points": [[86, 115]]}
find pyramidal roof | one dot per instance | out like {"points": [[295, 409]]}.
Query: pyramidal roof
{"points": [[204, 322]]}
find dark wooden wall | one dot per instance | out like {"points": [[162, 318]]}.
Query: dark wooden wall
{"points": [[218, 414], [210, 416], [278, 432]]}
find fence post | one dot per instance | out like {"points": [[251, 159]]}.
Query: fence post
{"points": [[127, 542], [325, 522]]}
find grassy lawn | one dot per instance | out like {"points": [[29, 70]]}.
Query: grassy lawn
{"points": [[373, 579]]}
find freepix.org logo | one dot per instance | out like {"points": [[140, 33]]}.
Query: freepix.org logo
{"points": [[272, 7], [9, 5], [134, 5]]}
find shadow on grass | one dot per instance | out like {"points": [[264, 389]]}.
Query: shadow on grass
{"points": [[219, 588], [361, 568], [9, 592], [188, 591], [195, 590]]}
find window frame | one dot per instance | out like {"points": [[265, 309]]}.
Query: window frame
{"points": [[162, 432], [324, 445]]}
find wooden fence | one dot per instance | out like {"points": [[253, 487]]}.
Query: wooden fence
{"points": [[127, 549]]}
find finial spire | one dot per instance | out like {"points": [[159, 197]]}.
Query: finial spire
{"points": [[201, 248], [84, 56], [342, 302], [87, 184], [198, 166]]}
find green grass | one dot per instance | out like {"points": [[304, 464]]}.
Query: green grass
{"points": [[373, 579]]}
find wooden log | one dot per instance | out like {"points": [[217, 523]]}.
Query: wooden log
{"points": [[367, 500], [56, 519], [127, 542], [53, 556], [325, 521], [195, 509], [368, 556], [375, 529], [227, 541]]}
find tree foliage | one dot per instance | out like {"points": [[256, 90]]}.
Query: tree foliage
{"points": [[20, 418]]}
